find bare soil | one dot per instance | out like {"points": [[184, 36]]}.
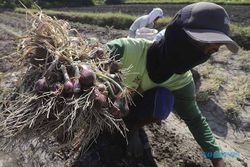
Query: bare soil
{"points": [[168, 144]]}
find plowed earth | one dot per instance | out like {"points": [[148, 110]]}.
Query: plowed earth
{"points": [[169, 144]]}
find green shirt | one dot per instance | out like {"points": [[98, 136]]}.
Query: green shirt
{"points": [[133, 54]]}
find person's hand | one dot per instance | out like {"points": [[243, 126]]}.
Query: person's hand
{"points": [[135, 147], [218, 162]]}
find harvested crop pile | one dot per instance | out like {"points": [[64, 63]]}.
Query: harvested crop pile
{"points": [[72, 89]]}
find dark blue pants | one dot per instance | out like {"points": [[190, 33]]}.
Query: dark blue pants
{"points": [[154, 105]]}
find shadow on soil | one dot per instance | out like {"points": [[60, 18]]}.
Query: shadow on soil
{"points": [[110, 151]]}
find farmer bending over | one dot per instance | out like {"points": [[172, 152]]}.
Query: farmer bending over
{"points": [[145, 21], [161, 71]]}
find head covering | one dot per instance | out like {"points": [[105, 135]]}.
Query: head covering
{"points": [[207, 23], [176, 53], [156, 12]]}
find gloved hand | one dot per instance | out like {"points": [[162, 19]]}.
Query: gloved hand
{"points": [[135, 146]]}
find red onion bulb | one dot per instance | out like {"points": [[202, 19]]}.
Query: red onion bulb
{"points": [[87, 77], [68, 87], [100, 100], [41, 85], [55, 87]]}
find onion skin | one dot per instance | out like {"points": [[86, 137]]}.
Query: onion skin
{"points": [[68, 87], [55, 87], [101, 87], [100, 100], [76, 86], [41, 85], [65, 73], [87, 78], [76, 83], [114, 68], [99, 52]]}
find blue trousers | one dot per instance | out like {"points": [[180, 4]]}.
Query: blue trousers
{"points": [[154, 105]]}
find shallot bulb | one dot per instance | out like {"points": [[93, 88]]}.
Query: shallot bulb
{"points": [[101, 87], [87, 77], [55, 87], [114, 67], [68, 87], [41, 85], [100, 100]]}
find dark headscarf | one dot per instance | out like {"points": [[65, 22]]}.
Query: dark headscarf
{"points": [[176, 53]]}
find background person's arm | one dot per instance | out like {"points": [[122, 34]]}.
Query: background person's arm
{"points": [[159, 36], [136, 25], [151, 25]]}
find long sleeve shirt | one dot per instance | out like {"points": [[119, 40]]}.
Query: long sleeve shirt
{"points": [[132, 53]]}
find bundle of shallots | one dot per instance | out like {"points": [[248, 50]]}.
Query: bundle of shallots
{"points": [[72, 89]]}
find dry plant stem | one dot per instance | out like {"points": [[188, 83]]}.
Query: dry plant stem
{"points": [[18, 116], [72, 108], [110, 89], [76, 79], [65, 73], [52, 66], [99, 74], [127, 93], [49, 114]]}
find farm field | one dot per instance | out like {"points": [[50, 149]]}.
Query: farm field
{"points": [[185, 1], [238, 13], [171, 143]]}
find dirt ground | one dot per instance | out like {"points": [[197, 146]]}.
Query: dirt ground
{"points": [[168, 144]]}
